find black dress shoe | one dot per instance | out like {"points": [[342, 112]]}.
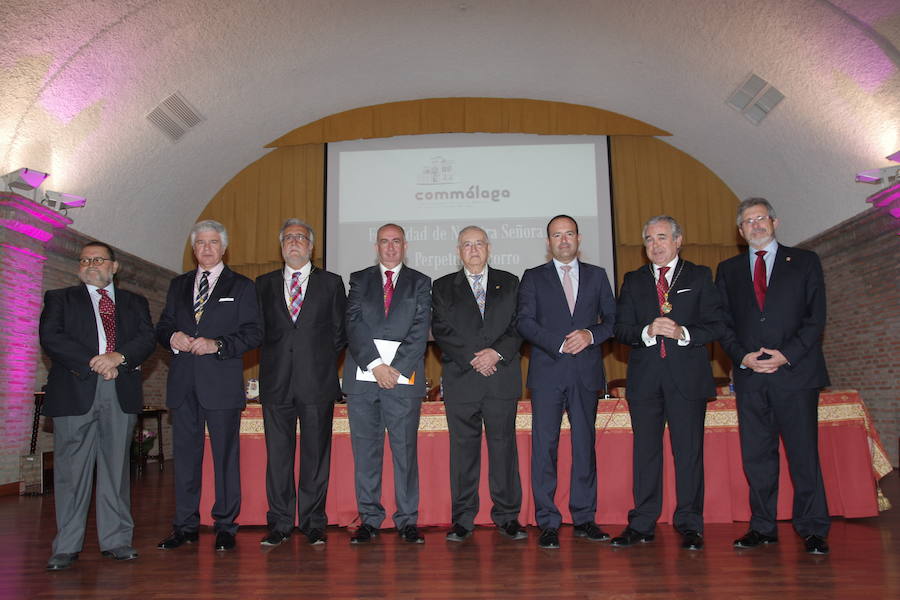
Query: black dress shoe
{"points": [[630, 537], [178, 538], [590, 531], [315, 537], [549, 538], [513, 530], [364, 534], [458, 533], [816, 544], [121, 553], [58, 562], [274, 538], [753, 538], [691, 540], [411, 535], [224, 541]]}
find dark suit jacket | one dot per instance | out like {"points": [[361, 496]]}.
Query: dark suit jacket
{"points": [[407, 322], [695, 305], [793, 320], [299, 360], [231, 315], [68, 332], [544, 320], [460, 331]]}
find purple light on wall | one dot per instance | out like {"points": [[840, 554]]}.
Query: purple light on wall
{"points": [[37, 211], [21, 274], [27, 229], [24, 251], [885, 196]]}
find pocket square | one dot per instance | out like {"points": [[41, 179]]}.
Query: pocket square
{"points": [[682, 291], [226, 299]]}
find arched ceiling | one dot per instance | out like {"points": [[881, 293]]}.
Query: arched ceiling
{"points": [[77, 79]]}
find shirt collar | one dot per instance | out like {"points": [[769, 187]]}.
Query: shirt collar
{"points": [[573, 264], [396, 270], [214, 272], [92, 291], [671, 266], [304, 271], [469, 274]]}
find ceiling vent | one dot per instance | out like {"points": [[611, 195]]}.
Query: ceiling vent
{"points": [[755, 99], [174, 116]]}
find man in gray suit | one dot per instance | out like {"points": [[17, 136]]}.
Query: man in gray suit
{"points": [[96, 335], [388, 313]]}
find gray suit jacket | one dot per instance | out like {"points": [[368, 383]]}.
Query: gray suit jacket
{"points": [[407, 322]]}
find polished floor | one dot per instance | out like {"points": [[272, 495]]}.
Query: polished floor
{"points": [[864, 562]]}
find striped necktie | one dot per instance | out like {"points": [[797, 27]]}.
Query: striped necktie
{"points": [[202, 296], [478, 289], [296, 296]]}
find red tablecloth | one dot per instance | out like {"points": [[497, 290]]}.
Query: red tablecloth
{"points": [[852, 457]]}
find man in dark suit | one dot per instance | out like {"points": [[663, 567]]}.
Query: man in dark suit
{"points": [[210, 319], [388, 313], [96, 335], [774, 299], [667, 312], [303, 334], [566, 310], [474, 323]]}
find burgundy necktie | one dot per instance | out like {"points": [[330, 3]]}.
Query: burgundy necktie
{"points": [[662, 286], [388, 291], [759, 279], [108, 317]]}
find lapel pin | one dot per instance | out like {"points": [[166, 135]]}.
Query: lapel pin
{"points": [[496, 287], [788, 259]]}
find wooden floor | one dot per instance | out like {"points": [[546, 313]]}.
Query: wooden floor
{"points": [[864, 563]]}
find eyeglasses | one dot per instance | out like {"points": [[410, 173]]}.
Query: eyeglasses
{"points": [[294, 237], [476, 244], [93, 260], [755, 220]]}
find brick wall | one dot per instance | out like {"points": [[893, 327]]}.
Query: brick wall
{"points": [[862, 275], [23, 283]]}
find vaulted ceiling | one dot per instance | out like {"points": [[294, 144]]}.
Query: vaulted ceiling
{"points": [[77, 79]]}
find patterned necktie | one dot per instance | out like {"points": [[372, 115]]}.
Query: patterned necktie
{"points": [[759, 279], [202, 296], [108, 318], [662, 286], [388, 291], [479, 292], [568, 288], [296, 296]]}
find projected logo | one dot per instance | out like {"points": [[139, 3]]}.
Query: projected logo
{"points": [[439, 172]]}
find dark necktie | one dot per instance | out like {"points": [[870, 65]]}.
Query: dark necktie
{"points": [[759, 279], [202, 296], [388, 290], [662, 287], [108, 318]]}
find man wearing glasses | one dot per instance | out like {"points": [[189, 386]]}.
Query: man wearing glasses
{"points": [[303, 334], [210, 320], [774, 299], [96, 335]]}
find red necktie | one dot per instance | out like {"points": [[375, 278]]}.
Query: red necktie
{"points": [[108, 318], [759, 279], [388, 290], [662, 286]]}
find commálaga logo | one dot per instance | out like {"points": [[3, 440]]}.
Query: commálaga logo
{"points": [[440, 172]]}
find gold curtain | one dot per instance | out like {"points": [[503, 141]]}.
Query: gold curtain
{"points": [[649, 177]]}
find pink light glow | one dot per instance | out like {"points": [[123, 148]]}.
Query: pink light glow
{"points": [[21, 274], [32, 177], [26, 229], [35, 210], [885, 196], [895, 212], [24, 251]]}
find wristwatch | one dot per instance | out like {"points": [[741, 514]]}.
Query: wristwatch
{"points": [[219, 345]]}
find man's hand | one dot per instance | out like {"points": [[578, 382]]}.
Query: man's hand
{"points": [[107, 365], [181, 341], [485, 361], [764, 360], [202, 345], [577, 341], [386, 376], [665, 327]]}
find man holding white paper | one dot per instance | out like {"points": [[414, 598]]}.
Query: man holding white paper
{"points": [[388, 315]]}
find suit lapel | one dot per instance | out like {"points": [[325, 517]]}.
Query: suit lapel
{"points": [[86, 307], [463, 294], [780, 267], [554, 285], [310, 297], [223, 287]]}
